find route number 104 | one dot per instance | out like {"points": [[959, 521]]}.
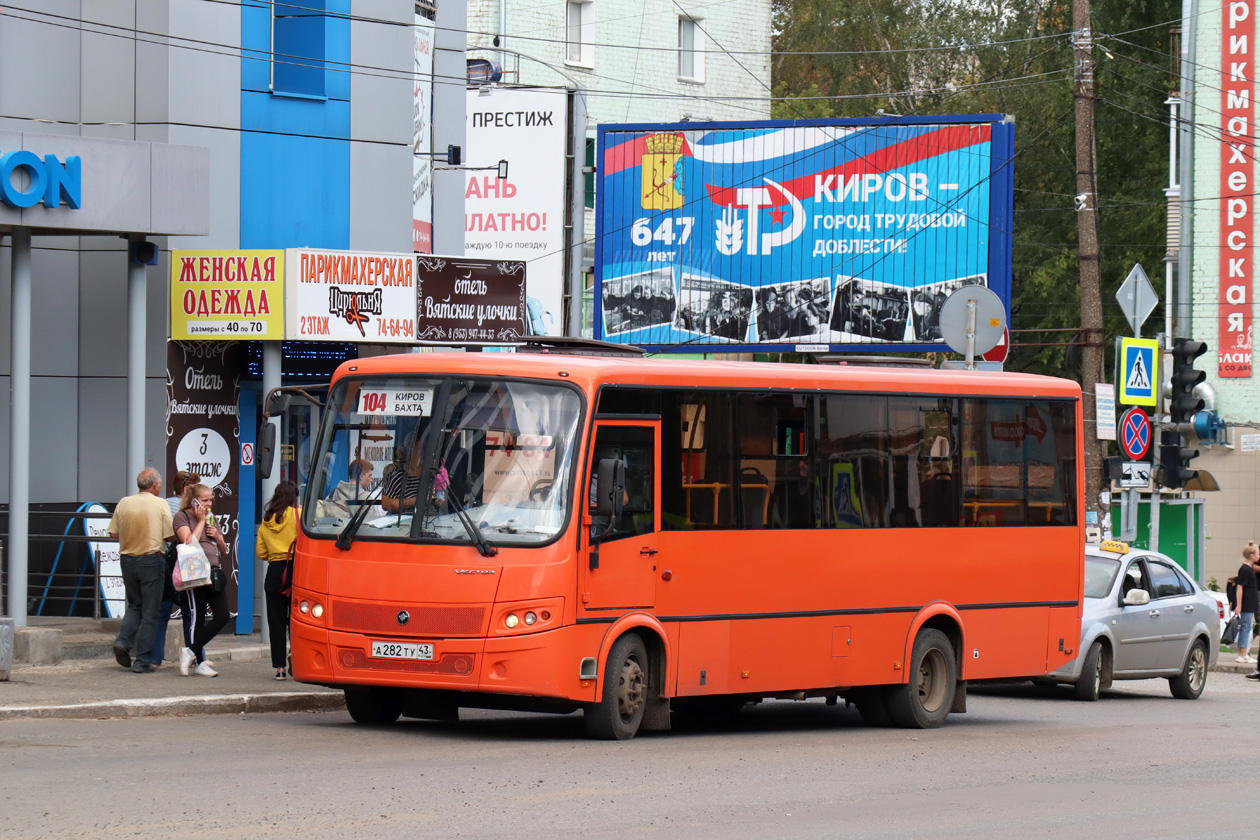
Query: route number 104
{"points": [[641, 232]]}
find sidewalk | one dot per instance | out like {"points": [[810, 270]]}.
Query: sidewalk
{"points": [[97, 687]]}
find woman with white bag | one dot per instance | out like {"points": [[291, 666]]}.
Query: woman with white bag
{"points": [[194, 525]]}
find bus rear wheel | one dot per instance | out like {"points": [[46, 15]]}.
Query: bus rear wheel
{"points": [[617, 715], [374, 705], [924, 701]]}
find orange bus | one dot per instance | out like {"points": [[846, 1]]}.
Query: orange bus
{"points": [[633, 536]]}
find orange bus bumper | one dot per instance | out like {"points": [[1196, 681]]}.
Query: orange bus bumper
{"points": [[543, 664]]}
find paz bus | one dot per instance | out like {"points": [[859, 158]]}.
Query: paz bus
{"points": [[573, 529]]}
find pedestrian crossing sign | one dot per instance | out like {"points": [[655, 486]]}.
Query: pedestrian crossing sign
{"points": [[1139, 373]]}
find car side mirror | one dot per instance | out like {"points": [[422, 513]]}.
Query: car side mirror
{"points": [[610, 487], [1137, 598]]}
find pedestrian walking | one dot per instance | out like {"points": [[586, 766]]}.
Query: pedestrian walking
{"points": [[1247, 602], [276, 536], [194, 524], [182, 479], [142, 524]]}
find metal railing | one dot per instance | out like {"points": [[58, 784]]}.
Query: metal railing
{"points": [[63, 581]]}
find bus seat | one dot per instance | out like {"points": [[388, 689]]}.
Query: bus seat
{"points": [[754, 490]]}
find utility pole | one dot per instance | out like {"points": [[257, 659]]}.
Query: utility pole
{"points": [[1088, 257]]}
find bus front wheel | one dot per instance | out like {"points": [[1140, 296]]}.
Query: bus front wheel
{"points": [[924, 701], [617, 715], [374, 705]]}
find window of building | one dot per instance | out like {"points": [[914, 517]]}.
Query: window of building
{"points": [[579, 29], [588, 175], [690, 49], [298, 29]]}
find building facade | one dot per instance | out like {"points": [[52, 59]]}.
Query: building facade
{"points": [[1216, 292]]}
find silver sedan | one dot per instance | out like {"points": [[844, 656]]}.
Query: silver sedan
{"points": [[1142, 618]]}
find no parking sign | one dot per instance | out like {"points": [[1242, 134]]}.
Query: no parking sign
{"points": [[1135, 434]]}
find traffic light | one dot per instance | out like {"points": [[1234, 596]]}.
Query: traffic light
{"points": [[1174, 459], [1182, 403]]}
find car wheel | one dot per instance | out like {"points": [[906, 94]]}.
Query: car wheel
{"points": [[1188, 685], [1090, 681]]}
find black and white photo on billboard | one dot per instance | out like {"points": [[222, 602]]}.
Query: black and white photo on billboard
{"points": [[713, 307], [926, 303], [869, 311], [645, 299], [792, 311]]}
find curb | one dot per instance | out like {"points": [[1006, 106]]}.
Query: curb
{"points": [[212, 704]]}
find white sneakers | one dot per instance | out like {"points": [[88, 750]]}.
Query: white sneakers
{"points": [[186, 660], [1246, 659], [204, 670]]}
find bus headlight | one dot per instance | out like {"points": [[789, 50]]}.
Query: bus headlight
{"points": [[304, 608], [530, 619], [511, 620], [317, 610]]}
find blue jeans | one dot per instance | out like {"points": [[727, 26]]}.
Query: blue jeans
{"points": [[164, 619], [143, 581], [1244, 631]]}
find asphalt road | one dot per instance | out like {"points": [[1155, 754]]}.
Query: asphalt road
{"points": [[1023, 762]]}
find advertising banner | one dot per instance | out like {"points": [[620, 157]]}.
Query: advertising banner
{"points": [[227, 294], [809, 236], [203, 431], [467, 301], [1238, 190], [347, 296], [422, 137], [520, 217]]}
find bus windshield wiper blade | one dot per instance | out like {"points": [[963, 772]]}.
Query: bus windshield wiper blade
{"points": [[346, 538], [484, 545]]}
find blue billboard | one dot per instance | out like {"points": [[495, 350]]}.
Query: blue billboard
{"points": [[813, 236]]}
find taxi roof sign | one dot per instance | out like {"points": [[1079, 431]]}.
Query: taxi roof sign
{"points": [[1114, 545]]}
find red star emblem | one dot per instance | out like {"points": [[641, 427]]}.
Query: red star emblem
{"points": [[777, 214]]}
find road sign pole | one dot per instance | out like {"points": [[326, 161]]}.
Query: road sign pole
{"points": [[1156, 427], [971, 335]]}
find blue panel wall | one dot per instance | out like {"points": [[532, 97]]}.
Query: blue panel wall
{"points": [[295, 151], [245, 560]]}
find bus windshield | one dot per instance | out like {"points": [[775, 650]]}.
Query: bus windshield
{"points": [[433, 449]]}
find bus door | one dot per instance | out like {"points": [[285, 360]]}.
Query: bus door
{"points": [[619, 568]]}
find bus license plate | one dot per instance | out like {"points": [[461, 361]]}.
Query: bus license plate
{"points": [[401, 650]]}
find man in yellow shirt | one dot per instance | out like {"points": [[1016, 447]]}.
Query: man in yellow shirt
{"points": [[142, 526]]}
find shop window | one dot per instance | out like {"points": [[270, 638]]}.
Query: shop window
{"points": [[298, 30]]}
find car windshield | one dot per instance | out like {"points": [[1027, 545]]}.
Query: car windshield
{"points": [[1100, 573], [501, 451]]}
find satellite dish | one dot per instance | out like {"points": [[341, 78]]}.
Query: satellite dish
{"points": [[990, 319]]}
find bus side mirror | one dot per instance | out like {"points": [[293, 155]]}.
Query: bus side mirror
{"points": [[610, 487], [277, 403], [266, 449]]}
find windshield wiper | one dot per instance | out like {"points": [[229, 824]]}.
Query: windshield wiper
{"points": [[484, 545], [346, 538]]}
